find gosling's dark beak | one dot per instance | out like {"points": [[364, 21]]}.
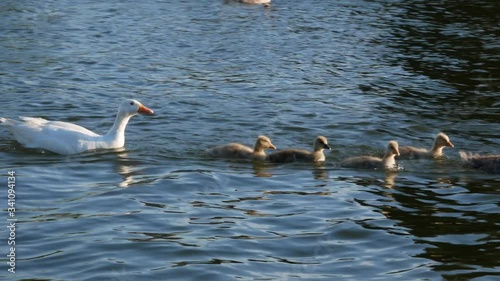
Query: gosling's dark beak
{"points": [[326, 146]]}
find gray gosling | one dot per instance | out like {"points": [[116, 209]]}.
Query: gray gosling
{"points": [[441, 141], [240, 151], [292, 155], [370, 162], [487, 163]]}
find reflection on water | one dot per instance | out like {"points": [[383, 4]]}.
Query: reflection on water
{"points": [[455, 44], [389, 179], [126, 167], [359, 72], [437, 214], [263, 169]]}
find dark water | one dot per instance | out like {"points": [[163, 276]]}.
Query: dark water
{"points": [[358, 72]]}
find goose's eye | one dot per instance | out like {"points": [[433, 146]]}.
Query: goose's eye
{"points": [[131, 103]]}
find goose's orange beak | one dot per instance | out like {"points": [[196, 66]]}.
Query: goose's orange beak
{"points": [[144, 110]]}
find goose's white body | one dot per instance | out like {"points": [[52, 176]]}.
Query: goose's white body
{"points": [[67, 138]]}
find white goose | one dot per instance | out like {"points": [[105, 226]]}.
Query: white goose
{"points": [[67, 138]]}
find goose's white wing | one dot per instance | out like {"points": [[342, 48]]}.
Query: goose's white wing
{"points": [[55, 136]]}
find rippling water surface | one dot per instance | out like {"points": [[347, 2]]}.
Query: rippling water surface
{"points": [[358, 72]]}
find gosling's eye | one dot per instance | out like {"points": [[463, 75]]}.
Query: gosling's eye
{"points": [[131, 103]]}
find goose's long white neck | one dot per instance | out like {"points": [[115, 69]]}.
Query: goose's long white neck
{"points": [[117, 133]]}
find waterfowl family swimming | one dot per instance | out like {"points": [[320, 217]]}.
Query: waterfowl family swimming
{"points": [[441, 141], [487, 163], [67, 138], [240, 151], [370, 162], [291, 155]]}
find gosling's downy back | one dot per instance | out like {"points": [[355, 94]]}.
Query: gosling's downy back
{"points": [[293, 155]]}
